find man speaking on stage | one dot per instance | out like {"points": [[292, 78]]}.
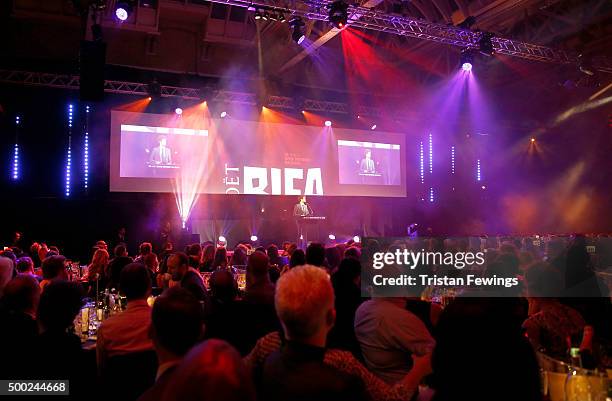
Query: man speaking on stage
{"points": [[301, 210]]}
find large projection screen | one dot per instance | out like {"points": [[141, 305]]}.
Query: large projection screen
{"points": [[160, 152]]}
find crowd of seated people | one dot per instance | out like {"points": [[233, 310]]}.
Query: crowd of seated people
{"points": [[300, 329]]}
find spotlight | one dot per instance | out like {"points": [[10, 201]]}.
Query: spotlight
{"points": [[485, 43], [222, 239], [373, 127], [532, 140], [483, 187], [331, 237], [338, 14], [123, 9], [328, 123], [257, 15], [178, 111], [356, 239], [467, 60], [223, 114], [281, 17], [297, 28], [253, 238]]}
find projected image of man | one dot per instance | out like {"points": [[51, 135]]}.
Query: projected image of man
{"points": [[367, 165], [161, 154]]}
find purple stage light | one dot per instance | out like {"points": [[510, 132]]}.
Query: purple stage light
{"points": [[373, 127], [328, 123], [121, 14], [253, 238], [421, 163], [331, 237], [467, 67], [223, 114], [178, 111]]}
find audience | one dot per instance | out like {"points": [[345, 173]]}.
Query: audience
{"points": [[116, 265], [211, 371], [188, 277], [176, 326], [298, 258], [98, 266], [388, 335], [143, 250], [305, 305], [208, 258], [259, 287], [315, 254], [6, 272], [239, 257], [194, 251], [58, 351], [19, 332], [220, 260], [53, 267], [25, 265], [127, 332]]}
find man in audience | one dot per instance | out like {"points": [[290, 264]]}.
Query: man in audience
{"points": [[18, 322], [53, 267], [176, 326], [25, 266], [305, 305], [315, 254], [117, 264], [388, 334], [189, 278], [127, 332], [259, 288]]}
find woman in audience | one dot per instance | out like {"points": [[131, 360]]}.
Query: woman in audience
{"points": [[208, 258], [98, 266], [551, 326], [239, 257], [220, 261]]}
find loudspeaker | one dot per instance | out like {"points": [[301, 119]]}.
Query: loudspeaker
{"points": [[92, 60]]}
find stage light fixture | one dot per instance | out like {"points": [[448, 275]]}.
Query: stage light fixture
{"points": [[338, 14], [467, 23], [258, 15], [297, 30], [485, 44], [373, 127], [253, 238], [223, 114], [478, 175], [178, 111], [222, 239], [431, 195], [532, 140], [123, 10], [328, 123], [331, 237], [422, 163], [356, 239], [452, 160], [154, 89], [467, 60], [281, 17]]}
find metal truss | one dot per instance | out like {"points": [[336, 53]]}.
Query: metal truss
{"points": [[371, 19], [71, 82]]}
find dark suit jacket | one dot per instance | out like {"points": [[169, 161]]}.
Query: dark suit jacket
{"points": [[296, 372]]}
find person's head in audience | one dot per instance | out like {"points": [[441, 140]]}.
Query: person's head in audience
{"points": [[135, 282], [59, 304], [25, 265], [220, 258], [291, 248], [298, 258], [54, 267], [120, 251], [99, 259], [101, 245], [348, 274], [257, 268], [542, 281], [239, 257], [55, 250], [286, 246], [209, 253], [21, 295], [6, 271], [261, 249], [273, 255], [145, 248], [223, 287], [315, 254], [333, 257], [42, 251], [194, 251], [151, 262], [304, 303], [178, 265], [177, 323], [212, 371], [352, 252]]}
